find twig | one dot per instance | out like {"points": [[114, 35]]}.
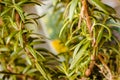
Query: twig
{"points": [[1, 22], [101, 71], [102, 61], [17, 19], [85, 8], [84, 11], [10, 73]]}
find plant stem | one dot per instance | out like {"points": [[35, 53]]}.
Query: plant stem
{"points": [[85, 9], [104, 64]]}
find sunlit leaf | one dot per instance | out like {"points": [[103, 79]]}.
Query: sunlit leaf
{"points": [[32, 51], [72, 8], [99, 35], [11, 36], [31, 71], [13, 23], [42, 71], [105, 8], [28, 60], [78, 47], [79, 55], [62, 29], [34, 2], [20, 12], [4, 48], [21, 38]]}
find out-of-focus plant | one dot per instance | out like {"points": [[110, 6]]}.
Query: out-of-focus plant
{"points": [[89, 33], [53, 22], [19, 59], [84, 29]]}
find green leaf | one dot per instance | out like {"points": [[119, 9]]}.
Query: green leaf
{"points": [[19, 49], [35, 35], [72, 8], [16, 46], [32, 51], [26, 69], [42, 57], [21, 2], [115, 50], [62, 29], [28, 60], [99, 36], [20, 12], [63, 68], [78, 47], [107, 28], [31, 71], [37, 42], [13, 23], [72, 76], [42, 71], [71, 39], [34, 2], [11, 36], [4, 48], [105, 8], [14, 55], [21, 38], [5, 11], [79, 55]]}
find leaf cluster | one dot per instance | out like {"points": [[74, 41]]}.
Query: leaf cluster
{"points": [[88, 32], [19, 58]]}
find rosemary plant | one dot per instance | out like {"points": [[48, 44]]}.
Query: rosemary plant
{"points": [[19, 59], [93, 47], [87, 32]]}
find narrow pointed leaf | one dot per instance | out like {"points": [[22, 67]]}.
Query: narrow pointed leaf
{"points": [[32, 51], [11, 36], [21, 38], [4, 49], [28, 60], [72, 8], [79, 55], [106, 9], [78, 47], [42, 71]]}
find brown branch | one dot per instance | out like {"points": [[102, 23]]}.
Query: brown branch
{"points": [[90, 68], [104, 64], [20, 24], [10, 73], [84, 14], [85, 8], [17, 19], [1, 22], [101, 71]]}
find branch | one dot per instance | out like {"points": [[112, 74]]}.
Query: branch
{"points": [[104, 64], [85, 9], [10, 73], [102, 71], [1, 22]]}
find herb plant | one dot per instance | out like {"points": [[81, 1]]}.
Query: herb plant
{"points": [[19, 59], [86, 29], [89, 33]]}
